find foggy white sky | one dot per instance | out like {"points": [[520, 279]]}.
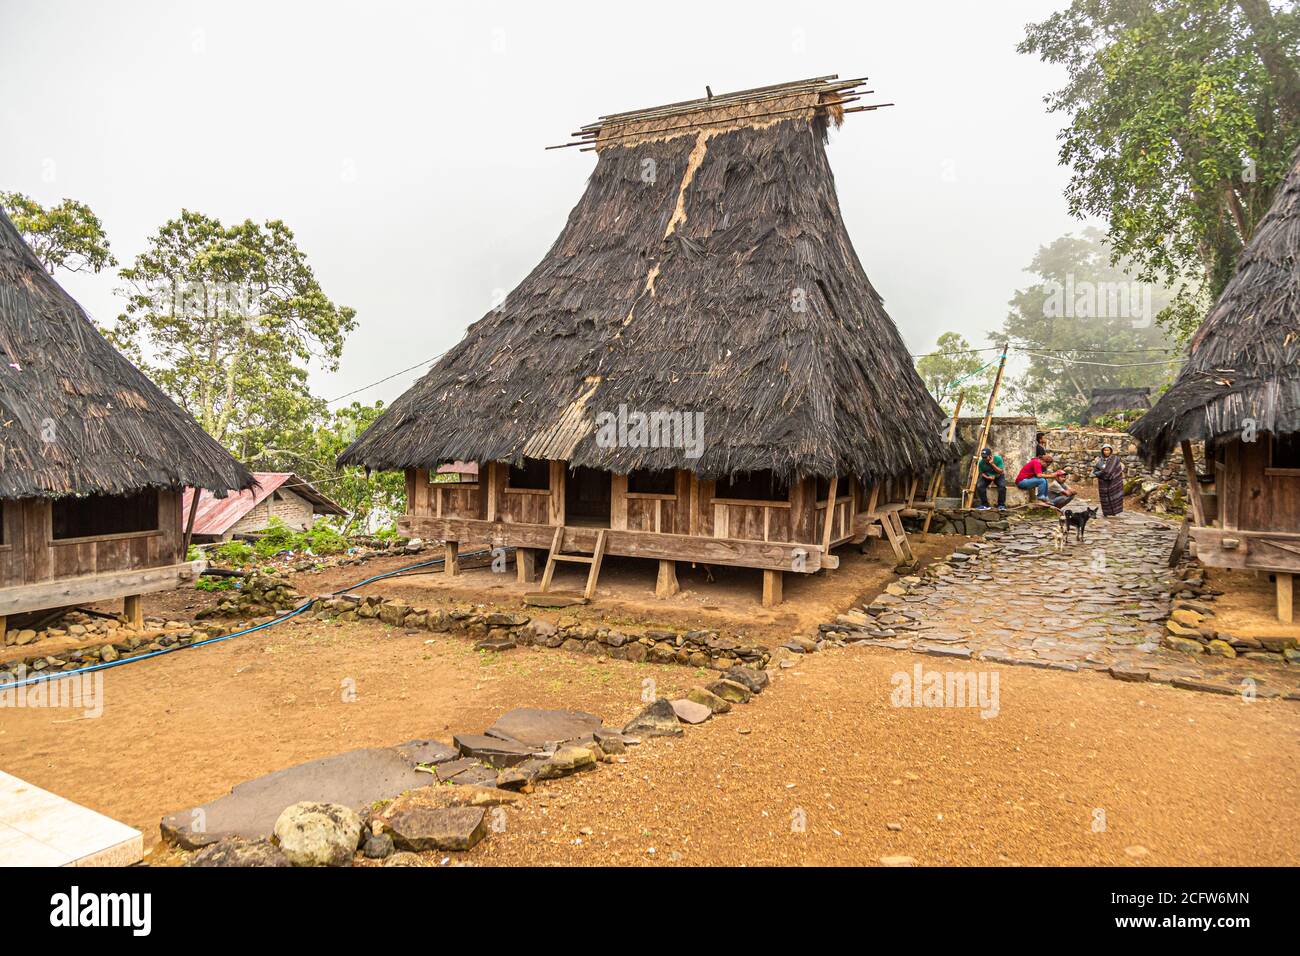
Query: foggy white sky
{"points": [[403, 142]]}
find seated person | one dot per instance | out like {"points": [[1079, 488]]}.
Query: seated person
{"points": [[1031, 476], [991, 472], [1061, 493]]}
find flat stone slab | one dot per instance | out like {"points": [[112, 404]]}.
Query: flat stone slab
{"points": [[690, 712], [534, 727], [39, 828], [496, 752], [417, 828], [354, 779]]}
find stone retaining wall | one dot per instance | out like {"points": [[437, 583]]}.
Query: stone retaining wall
{"points": [[1075, 449], [500, 631]]}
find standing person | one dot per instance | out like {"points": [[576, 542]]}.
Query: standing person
{"points": [[1031, 476], [1040, 444], [1109, 472], [992, 472]]}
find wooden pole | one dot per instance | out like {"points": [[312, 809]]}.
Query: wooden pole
{"points": [[969, 493], [1285, 612], [1193, 485], [189, 524]]}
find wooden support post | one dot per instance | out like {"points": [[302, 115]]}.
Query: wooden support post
{"points": [[525, 565], [189, 525], [772, 582], [3, 625], [666, 586], [133, 611], [1193, 486], [1285, 607], [451, 558], [829, 524]]}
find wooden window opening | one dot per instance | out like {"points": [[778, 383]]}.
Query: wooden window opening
{"points": [[101, 516]]}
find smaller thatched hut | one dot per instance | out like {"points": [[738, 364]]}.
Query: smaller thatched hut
{"points": [[1105, 401], [1240, 393], [93, 456]]}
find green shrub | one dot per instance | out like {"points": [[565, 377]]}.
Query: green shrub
{"points": [[322, 539], [276, 538], [235, 553], [215, 584]]}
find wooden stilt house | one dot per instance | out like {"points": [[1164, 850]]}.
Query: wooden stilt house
{"points": [[1240, 393], [93, 456], [699, 370]]}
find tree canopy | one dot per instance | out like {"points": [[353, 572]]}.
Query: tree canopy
{"points": [[230, 318], [67, 236], [1085, 324], [1183, 117]]}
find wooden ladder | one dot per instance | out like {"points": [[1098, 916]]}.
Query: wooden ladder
{"points": [[557, 554]]}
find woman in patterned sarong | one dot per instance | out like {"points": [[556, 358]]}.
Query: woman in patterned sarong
{"points": [[1109, 472]]}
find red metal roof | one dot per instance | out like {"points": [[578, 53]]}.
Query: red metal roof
{"points": [[218, 515]]}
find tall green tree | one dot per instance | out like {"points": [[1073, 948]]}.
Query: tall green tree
{"points": [[67, 236], [1086, 323], [227, 319], [954, 368], [1183, 117]]}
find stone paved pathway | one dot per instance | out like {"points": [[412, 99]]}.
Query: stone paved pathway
{"points": [[1018, 598]]}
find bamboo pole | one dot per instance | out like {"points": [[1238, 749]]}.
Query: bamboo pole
{"points": [[969, 493]]}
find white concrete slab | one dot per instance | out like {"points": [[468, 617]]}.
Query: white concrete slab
{"points": [[39, 828]]}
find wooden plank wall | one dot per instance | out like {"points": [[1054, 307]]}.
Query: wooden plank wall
{"points": [[30, 556], [1263, 502], [691, 510]]}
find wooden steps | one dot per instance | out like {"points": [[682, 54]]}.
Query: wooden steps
{"points": [[557, 554]]}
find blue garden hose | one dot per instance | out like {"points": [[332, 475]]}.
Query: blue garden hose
{"points": [[288, 615]]}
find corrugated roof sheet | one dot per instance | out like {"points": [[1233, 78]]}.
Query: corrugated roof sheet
{"points": [[216, 516]]}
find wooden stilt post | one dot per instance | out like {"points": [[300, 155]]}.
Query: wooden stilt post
{"points": [[3, 625], [1193, 485], [451, 558], [189, 525], [525, 565], [133, 611], [1285, 608], [969, 494], [666, 586], [772, 583]]}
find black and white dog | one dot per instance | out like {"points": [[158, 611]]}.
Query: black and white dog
{"points": [[1077, 520]]}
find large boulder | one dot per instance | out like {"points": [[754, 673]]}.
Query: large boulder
{"points": [[318, 834], [657, 720]]}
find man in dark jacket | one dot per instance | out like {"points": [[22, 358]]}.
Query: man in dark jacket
{"points": [[992, 472]]}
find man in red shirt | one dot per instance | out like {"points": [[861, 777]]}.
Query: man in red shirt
{"points": [[1031, 476]]}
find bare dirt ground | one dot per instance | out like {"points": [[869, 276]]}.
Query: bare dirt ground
{"points": [[1248, 604], [1179, 777], [1182, 779]]}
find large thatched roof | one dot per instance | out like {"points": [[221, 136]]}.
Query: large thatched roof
{"points": [[705, 269], [1244, 361], [75, 416]]}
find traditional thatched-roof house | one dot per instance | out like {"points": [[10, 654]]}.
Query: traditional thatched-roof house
{"points": [[1240, 393], [93, 456], [699, 369], [1104, 401]]}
